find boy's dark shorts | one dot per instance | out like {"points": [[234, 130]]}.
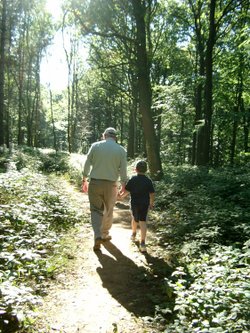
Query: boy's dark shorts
{"points": [[139, 212]]}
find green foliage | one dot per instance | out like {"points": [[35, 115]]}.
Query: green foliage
{"points": [[54, 161], [204, 226], [201, 222], [17, 159], [34, 214], [198, 200], [2, 163], [217, 296], [45, 160], [26, 158], [76, 163]]}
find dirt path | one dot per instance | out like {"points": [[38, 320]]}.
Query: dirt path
{"points": [[110, 291]]}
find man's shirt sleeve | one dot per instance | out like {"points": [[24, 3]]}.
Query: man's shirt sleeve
{"points": [[123, 168], [88, 163]]}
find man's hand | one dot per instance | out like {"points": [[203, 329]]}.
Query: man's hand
{"points": [[122, 190], [119, 196], [85, 186]]}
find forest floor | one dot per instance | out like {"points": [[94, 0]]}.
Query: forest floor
{"points": [[114, 290]]}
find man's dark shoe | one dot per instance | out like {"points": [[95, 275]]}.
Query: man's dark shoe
{"points": [[97, 245], [107, 238]]}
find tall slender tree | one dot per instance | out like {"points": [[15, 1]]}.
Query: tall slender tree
{"points": [[123, 24], [145, 93], [2, 70]]}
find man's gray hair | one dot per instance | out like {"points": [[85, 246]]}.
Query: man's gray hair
{"points": [[110, 131]]}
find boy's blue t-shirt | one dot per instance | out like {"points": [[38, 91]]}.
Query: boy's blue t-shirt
{"points": [[139, 187]]}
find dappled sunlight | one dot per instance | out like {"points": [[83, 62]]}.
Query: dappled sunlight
{"points": [[111, 288], [195, 272], [77, 161]]}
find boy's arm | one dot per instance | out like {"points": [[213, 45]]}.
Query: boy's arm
{"points": [[151, 200]]}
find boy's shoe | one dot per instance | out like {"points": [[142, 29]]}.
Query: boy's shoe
{"points": [[143, 248], [133, 237], [97, 245]]}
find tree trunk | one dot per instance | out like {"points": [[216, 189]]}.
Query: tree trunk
{"points": [[246, 120], [237, 110], [132, 137], [234, 135], [144, 88], [2, 72], [208, 110], [197, 146], [37, 103], [20, 136], [180, 150], [52, 120], [131, 133], [199, 133]]}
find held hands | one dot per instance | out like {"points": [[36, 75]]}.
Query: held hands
{"points": [[119, 196], [122, 193]]}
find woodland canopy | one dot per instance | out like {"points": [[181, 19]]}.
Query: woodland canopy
{"points": [[171, 76]]}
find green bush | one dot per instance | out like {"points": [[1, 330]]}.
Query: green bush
{"points": [[202, 221], [52, 161], [34, 213], [217, 296], [194, 200]]}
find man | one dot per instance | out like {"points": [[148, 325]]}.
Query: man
{"points": [[106, 162]]}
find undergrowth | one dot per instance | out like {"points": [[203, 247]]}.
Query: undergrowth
{"points": [[35, 214], [201, 223], [202, 220]]}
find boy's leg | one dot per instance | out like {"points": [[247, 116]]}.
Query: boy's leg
{"points": [[134, 226], [142, 221], [143, 227]]}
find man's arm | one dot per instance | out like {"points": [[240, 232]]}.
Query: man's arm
{"points": [[123, 172], [86, 170]]}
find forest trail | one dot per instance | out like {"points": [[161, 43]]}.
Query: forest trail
{"points": [[112, 291]]}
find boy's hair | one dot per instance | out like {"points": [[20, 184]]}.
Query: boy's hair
{"points": [[141, 166]]}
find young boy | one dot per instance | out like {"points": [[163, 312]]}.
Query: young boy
{"points": [[142, 194]]}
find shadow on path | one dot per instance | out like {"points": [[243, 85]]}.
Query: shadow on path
{"points": [[158, 266], [135, 287]]}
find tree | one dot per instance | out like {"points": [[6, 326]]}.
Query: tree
{"points": [[122, 25], [144, 88], [208, 33], [2, 70], [231, 122]]}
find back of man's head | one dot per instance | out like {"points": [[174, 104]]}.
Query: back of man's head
{"points": [[110, 132]]}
